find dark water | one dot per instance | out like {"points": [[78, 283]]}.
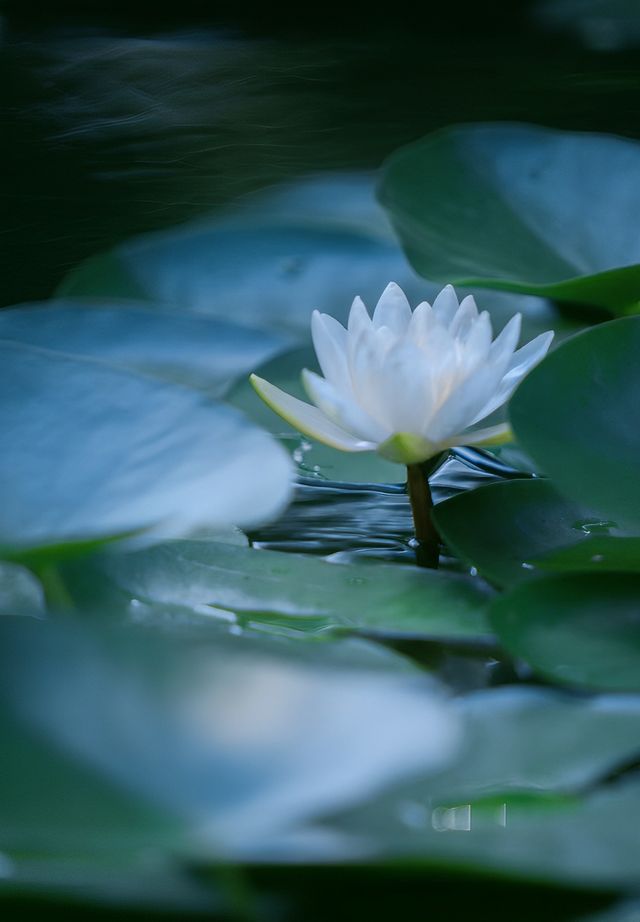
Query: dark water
{"points": [[350, 521], [119, 119]]}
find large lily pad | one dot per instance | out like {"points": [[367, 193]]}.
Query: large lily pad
{"points": [[95, 451], [521, 208], [268, 263], [577, 629], [576, 415], [204, 352], [238, 738], [600, 553], [304, 593], [270, 276], [503, 528]]}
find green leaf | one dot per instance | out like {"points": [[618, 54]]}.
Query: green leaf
{"points": [[237, 739], [587, 842], [601, 553], [311, 244], [96, 451], [269, 277], [313, 458], [301, 592], [521, 208], [204, 352], [576, 415], [577, 629], [521, 799], [503, 528]]}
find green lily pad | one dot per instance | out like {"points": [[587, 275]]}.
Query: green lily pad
{"points": [[204, 352], [601, 553], [238, 739], [315, 243], [304, 593], [521, 799], [577, 629], [586, 842], [96, 451], [521, 208], [502, 529], [267, 276], [575, 414]]}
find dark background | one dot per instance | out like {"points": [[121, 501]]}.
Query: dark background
{"points": [[123, 118]]}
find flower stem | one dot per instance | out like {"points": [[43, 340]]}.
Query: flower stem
{"points": [[428, 540]]}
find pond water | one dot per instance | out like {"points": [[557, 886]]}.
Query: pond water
{"points": [[212, 174]]}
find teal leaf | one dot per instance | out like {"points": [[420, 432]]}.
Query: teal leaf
{"points": [[576, 415], [96, 451], [577, 629], [521, 208]]}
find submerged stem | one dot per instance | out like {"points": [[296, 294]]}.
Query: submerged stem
{"points": [[428, 541]]}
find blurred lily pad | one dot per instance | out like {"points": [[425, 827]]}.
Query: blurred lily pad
{"points": [[503, 528], [204, 352], [276, 257], [575, 414], [239, 739], [522, 798], [295, 591], [521, 208], [96, 451], [577, 629]]}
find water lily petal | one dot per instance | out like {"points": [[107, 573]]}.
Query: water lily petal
{"points": [[359, 318], [505, 343], [307, 419], [465, 402], [405, 389], [446, 305], [475, 350], [464, 318], [330, 342], [393, 310], [520, 364], [491, 435], [343, 412]]}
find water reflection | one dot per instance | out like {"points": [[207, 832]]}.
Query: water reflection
{"points": [[352, 521]]}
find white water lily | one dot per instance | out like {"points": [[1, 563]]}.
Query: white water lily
{"points": [[408, 384]]}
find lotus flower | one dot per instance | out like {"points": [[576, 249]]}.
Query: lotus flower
{"points": [[408, 384]]}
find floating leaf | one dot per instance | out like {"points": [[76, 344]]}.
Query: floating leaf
{"points": [[575, 414], [577, 629], [601, 553], [239, 738], [96, 451], [204, 352], [304, 593], [521, 208], [502, 528]]}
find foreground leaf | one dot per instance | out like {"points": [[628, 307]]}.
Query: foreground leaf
{"points": [[96, 451], [304, 593], [204, 352]]}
